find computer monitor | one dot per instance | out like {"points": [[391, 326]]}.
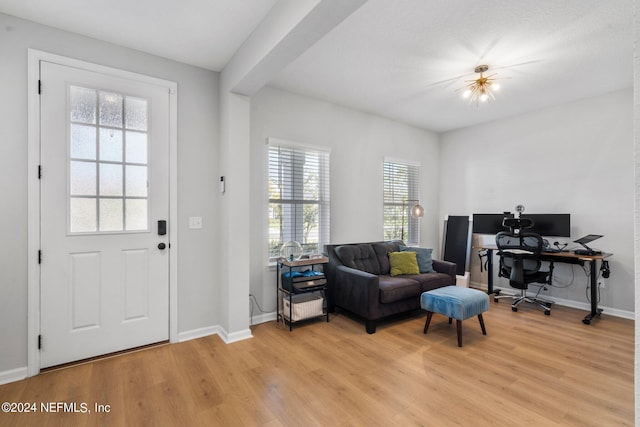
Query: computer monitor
{"points": [[552, 225], [488, 223]]}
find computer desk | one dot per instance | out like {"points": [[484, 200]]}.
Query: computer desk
{"points": [[567, 258]]}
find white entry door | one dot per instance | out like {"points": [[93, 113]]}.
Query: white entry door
{"points": [[104, 194]]}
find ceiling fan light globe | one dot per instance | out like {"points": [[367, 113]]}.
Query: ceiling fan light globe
{"points": [[482, 88]]}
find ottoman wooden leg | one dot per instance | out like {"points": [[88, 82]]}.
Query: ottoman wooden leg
{"points": [[484, 331], [459, 331], [426, 325]]}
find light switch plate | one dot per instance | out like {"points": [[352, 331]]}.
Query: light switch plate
{"points": [[195, 222]]}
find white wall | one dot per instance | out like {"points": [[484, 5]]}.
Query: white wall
{"points": [[589, 174], [198, 119], [636, 145], [358, 142], [575, 158]]}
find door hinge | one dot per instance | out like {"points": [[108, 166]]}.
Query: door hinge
{"points": [[39, 87], [39, 342], [39, 257], [39, 171]]}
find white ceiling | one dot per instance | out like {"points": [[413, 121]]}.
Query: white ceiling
{"points": [[402, 59], [204, 33]]}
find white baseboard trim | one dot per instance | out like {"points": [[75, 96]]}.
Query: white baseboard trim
{"points": [[573, 304], [263, 318], [477, 285], [198, 333], [229, 338], [215, 330], [13, 375]]}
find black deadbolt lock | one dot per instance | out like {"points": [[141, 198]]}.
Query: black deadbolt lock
{"points": [[162, 227]]}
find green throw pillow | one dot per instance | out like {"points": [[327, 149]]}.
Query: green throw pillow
{"points": [[403, 263], [423, 255]]}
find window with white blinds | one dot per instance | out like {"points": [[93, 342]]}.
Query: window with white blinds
{"points": [[298, 197], [401, 193]]}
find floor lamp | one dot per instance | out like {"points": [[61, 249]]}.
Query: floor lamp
{"points": [[416, 211]]}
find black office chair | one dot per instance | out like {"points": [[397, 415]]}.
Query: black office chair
{"points": [[519, 253]]}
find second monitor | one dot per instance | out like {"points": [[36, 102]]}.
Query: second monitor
{"points": [[552, 225], [556, 225]]}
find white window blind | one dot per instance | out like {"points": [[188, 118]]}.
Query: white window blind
{"points": [[298, 198], [401, 193]]}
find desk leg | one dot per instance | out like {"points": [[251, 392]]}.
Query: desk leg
{"points": [[595, 311], [490, 273], [278, 293]]}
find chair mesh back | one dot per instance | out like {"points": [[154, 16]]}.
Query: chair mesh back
{"points": [[523, 247]]}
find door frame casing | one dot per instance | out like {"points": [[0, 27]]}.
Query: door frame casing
{"points": [[33, 189]]}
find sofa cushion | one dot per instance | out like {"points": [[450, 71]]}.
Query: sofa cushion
{"points": [[397, 288], [361, 257], [430, 281], [403, 263], [425, 262], [382, 250]]}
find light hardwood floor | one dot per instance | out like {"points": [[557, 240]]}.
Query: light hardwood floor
{"points": [[529, 370]]}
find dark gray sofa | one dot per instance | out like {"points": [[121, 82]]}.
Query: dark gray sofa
{"points": [[358, 280]]}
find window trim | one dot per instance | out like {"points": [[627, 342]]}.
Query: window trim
{"points": [[324, 205], [413, 194]]}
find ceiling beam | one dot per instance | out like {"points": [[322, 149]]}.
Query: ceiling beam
{"points": [[290, 28]]}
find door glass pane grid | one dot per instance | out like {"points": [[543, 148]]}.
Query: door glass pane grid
{"points": [[108, 163]]}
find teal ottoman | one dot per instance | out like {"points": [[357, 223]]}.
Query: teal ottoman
{"points": [[457, 303]]}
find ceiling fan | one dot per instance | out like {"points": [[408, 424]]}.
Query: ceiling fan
{"points": [[452, 80]]}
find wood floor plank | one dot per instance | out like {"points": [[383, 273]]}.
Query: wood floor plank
{"points": [[529, 370]]}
